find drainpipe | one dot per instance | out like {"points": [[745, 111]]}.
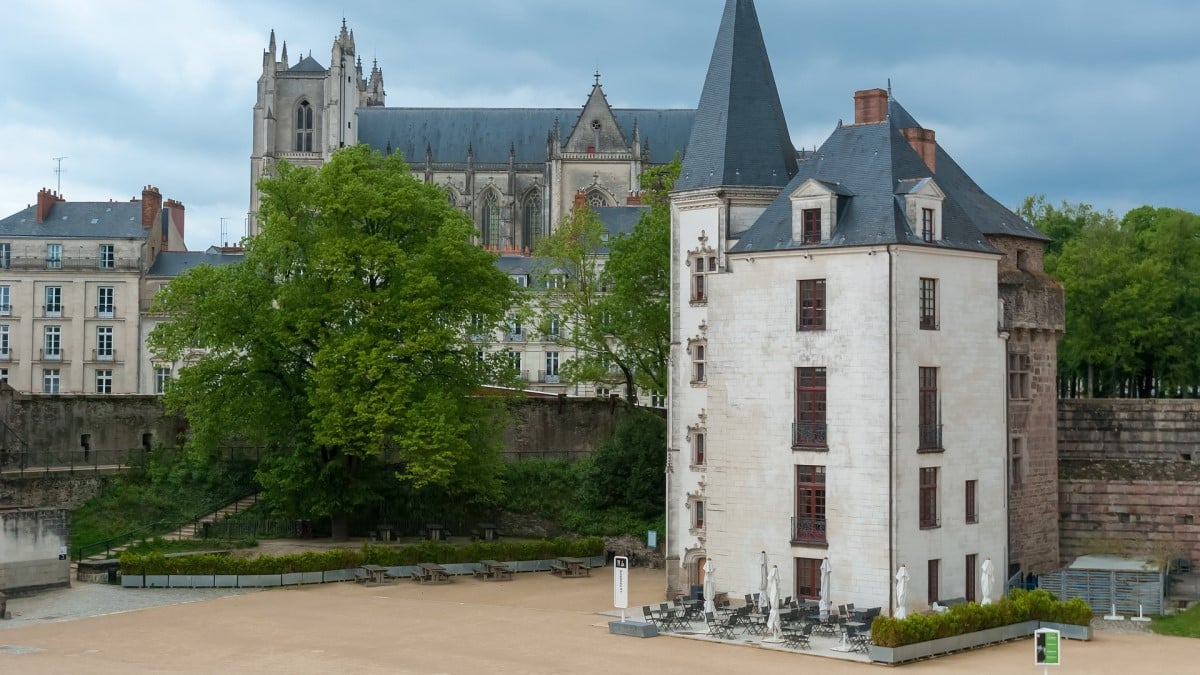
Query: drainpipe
{"points": [[891, 432]]}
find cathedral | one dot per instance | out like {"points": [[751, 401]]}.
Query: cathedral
{"points": [[516, 171]]}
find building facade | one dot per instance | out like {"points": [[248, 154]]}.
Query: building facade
{"points": [[839, 360]]}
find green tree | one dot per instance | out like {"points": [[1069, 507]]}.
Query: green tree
{"points": [[612, 297], [341, 345], [1062, 223]]}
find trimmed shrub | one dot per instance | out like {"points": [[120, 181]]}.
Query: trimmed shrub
{"points": [[337, 559], [1018, 607]]}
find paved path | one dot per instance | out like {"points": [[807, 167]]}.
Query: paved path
{"points": [[535, 624]]}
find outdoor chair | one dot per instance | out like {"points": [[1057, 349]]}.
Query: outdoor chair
{"points": [[858, 640], [651, 617], [671, 618], [797, 636], [722, 630]]}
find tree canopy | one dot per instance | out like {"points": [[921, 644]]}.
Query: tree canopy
{"points": [[611, 295], [341, 344], [1133, 298]]}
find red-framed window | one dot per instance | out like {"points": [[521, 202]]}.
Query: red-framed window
{"points": [[927, 224], [698, 448], [928, 414], [929, 317], [812, 226], [808, 578], [970, 576], [810, 504], [810, 424], [810, 304], [935, 575]]}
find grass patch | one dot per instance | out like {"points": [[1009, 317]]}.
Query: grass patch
{"points": [[160, 545], [1183, 624]]}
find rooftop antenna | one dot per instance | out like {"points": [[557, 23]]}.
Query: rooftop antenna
{"points": [[58, 171], [224, 231]]}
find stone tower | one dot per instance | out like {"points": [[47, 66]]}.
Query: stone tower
{"points": [[305, 111]]}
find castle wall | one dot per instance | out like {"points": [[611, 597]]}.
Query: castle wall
{"points": [[1129, 478]]}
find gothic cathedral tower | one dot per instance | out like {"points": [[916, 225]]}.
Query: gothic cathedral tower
{"points": [[306, 111]]}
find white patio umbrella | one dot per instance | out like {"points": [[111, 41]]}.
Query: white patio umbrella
{"points": [[901, 592], [826, 570], [774, 625], [710, 587], [762, 581], [986, 580]]}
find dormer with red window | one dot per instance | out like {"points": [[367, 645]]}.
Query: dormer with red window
{"points": [[815, 211], [923, 207]]}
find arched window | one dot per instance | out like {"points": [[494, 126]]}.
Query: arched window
{"points": [[304, 127], [491, 220], [596, 199], [533, 219]]}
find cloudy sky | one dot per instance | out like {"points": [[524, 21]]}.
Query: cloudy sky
{"points": [[1083, 100]]}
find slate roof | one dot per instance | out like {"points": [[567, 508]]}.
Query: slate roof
{"points": [[740, 136], [619, 220], [307, 65], [174, 263], [81, 220], [873, 167], [491, 132]]}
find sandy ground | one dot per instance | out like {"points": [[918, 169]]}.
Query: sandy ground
{"points": [[535, 624]]}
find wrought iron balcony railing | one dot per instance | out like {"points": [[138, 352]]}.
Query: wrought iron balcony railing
{"points": [[929, 437], [810, 435], [808, 530]]}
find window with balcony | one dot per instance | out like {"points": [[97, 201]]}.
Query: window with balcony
{"points": [[929, 498], [53, 306], [552, 327], [104, 343], [812, 226], [808, 578], [928, 413], [104, 381], [809, 429], [972, 502], [108, 256], [515, 332], [5, 346], [162, 376], [50, 381], [809, 524], [5, 300], [52, 343], [552, 367], [934, 580], [105, 305], [698, 449], [810, 304], [53, 256], [1018, 375], [929, 313]]}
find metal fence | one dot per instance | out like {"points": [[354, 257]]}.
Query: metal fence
{"points": [[1105, 589]]}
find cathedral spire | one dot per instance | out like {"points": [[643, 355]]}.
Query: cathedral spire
{"points": [[283, 57], [740, 136]]}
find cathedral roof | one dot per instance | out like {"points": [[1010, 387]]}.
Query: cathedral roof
{"points": [[740, 136], [872, 167], [307, 65], [491, 133], [84, 220]]}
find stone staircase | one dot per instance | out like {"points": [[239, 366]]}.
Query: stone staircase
{"points": [[189, 530]]}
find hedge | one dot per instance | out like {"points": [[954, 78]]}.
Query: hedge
{"points": [[1019, 606], [337, 559]]}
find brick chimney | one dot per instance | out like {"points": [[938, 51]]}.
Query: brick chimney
{"points": [[177, 214], [924, 141], [152, 203], [46, 199], [634, 199], [870, 106]]}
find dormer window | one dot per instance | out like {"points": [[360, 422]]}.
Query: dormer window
{"points": [[815, 211], [923, 208], [812, 226]]}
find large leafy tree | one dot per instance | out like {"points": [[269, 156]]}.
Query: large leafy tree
{"points": [[611, 296], [1133, 297], [341, 345]]}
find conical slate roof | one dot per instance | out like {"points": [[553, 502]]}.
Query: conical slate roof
{"points": [[740, 136]]}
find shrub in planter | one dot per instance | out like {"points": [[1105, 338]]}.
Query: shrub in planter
{"points": [[1018, 607]]}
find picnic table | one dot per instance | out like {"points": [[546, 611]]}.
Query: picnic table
{"points": [[431, 573], [489, 531], [494, 570], [435, 532], [570, 567], [376, 574]]}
